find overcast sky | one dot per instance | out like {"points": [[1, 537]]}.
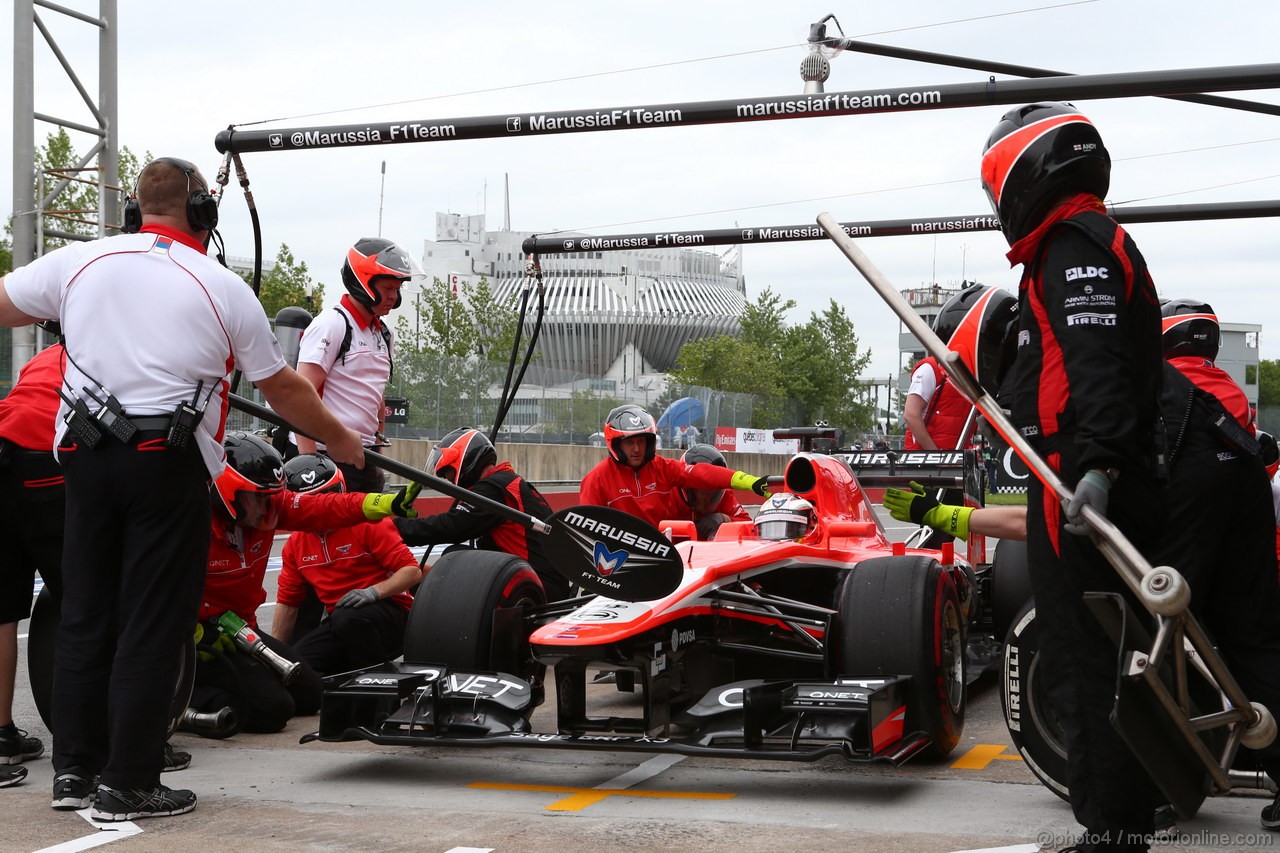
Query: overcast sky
{"points": [[186, 71]]}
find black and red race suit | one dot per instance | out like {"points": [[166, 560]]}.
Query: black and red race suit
{"points": [[1087, 385], [491, 532], [1220, 528]]}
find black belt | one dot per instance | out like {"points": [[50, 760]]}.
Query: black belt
{"points": [[152, 423]]}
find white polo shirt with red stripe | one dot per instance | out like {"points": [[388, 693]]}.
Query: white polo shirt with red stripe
{"points": [[353, 384], [150, 316]]}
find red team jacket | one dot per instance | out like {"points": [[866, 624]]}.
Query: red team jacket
{"points": [[338, 561], [653, 492], [233, 580]]}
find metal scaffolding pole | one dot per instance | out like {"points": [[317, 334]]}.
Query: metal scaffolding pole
{"points": [[104, 123]]}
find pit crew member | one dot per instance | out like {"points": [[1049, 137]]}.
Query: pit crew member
{"points": [[361, 574], [466, 457], [635, 480], [250, 502], [346, 353]]}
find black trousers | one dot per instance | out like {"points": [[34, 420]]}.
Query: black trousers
{"points": [[1111, 794], [137, 542], [366, 479], [1222, 540], [355, 637], [32, 517], [262, 702]]}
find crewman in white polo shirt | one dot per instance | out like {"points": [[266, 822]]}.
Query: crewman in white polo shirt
{"points": [[152, 328], [346, 353]]}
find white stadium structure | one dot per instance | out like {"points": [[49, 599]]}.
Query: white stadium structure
{"points": [[611, 314]]}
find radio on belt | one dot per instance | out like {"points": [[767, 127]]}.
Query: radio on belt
{"points": [[110, 415], [81, 423], [184, 421]]}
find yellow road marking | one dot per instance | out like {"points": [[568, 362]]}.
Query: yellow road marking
{"points": [[983, 754], [580, 798]]}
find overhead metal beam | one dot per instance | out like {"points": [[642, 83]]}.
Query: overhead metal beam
{"points": [[570, 244], [991, 67], [865, 102]]}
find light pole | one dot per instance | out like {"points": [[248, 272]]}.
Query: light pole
{"points": [[381, 192]]}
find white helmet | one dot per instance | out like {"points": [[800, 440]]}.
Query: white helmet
{"points": [[784, 516]]}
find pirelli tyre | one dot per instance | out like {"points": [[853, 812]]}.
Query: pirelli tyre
{"points": [[469, 614], [46, 613], [1010, 584], [902, 616], [1033, 727]]}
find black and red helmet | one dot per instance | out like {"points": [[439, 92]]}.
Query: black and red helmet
{"points": [[702, 453], [372, 258], [311, 472], [1036, 155], [1189, 327], [461, 457], [254, 468], [626, 421], [981, 324]]}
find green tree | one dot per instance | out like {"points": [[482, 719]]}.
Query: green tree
{"points": [[6, 256], [452, 353], [1269, 382], [823, 369], [287, 284], [798, 374], [75, 209]]}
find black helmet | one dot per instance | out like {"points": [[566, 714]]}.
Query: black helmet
{"points": [[1189, 327], [1036, 155], [981, 324], [311, 472], [253, 468], [461, 457], [701, 453], [624, 422], [372, 258]]}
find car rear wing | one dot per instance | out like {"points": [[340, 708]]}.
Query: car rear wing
{"points": [[933, 469]]}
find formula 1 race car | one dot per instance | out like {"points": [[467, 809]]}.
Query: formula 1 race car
{"points": [[792, 643]]}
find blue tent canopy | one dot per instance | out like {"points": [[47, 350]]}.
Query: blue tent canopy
{"points": [[683, 412]]}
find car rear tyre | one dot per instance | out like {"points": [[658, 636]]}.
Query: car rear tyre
{"points": [[1033, 726], [902, 616], [1010, 584], [469, 614]]}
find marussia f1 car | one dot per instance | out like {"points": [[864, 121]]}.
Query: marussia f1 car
{"points": [[831, 641]]}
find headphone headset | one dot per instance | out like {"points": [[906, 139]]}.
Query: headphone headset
{"points": [[202, 205]]}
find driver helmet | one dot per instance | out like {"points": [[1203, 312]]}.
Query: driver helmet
{"points": [[1270, 452], [624, 422], [372, 258], [980, 323], [1037, 155], [1189, 327], [784, 516], [312, 473], [461, 457], [702, 453], [254, 473]]}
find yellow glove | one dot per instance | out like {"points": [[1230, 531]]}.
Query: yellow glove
{"points": [[400, 504], [744, 481]]}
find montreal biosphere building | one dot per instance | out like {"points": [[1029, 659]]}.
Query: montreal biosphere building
{"points": [[613, 314]]}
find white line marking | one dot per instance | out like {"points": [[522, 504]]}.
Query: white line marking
{"points": [[113, 831], [471, 850], [1017, 848], [648, 770]]}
